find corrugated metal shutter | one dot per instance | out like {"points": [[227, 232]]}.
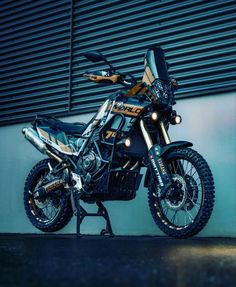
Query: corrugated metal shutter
{"points": [[198, 37], [42, 42], [34, 58]]}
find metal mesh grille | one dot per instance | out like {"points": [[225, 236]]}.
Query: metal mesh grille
{"points": [[34, 58], [42, 42]]}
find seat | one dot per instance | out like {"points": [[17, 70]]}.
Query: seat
{"points": [[69, 128]]}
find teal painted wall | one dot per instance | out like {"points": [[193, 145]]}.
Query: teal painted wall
{"points": [[209, 122]]}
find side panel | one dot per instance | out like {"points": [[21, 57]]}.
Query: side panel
{"points": [[99, 119], [56, 139]]}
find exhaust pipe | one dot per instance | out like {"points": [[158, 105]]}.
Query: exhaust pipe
{"points": [[49, 187], [32, 136]]}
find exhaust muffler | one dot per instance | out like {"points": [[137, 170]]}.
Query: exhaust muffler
{"points": [[49, 187], [32, 136]]}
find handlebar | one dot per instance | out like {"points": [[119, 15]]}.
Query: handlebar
{"points": [[108, 76], [127, 82]]}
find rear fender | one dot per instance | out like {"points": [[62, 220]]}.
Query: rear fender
{"points": [[163, 152]]}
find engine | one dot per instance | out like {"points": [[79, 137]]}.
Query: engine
{"points": [[90, 167], [105, 182], [91, 162]]}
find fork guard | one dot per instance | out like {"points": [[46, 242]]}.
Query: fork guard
{"points": [[163, 151]]}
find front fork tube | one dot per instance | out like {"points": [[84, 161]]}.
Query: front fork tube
{"points": [[154, 153], [164, 133]]}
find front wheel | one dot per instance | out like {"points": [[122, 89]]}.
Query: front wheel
{"points": [[186, 207]]}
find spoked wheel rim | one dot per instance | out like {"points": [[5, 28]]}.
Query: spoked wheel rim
{"points": [[182, 205], [47, 209]]}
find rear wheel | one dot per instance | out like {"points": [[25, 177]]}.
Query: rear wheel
{"points": [[54, 211], [188, 205]]}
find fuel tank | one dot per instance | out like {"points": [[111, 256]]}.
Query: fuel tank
{"points": [[131, 108]]}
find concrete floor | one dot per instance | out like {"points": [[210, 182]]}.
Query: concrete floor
{"points": [[65, 260]]}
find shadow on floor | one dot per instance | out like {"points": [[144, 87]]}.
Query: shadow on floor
{"points": [[65, 260]]}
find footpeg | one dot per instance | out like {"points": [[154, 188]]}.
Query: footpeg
{"points": [[78, 182]]}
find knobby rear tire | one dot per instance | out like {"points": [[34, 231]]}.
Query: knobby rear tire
{"points": [[208, 195], [65, 210]]}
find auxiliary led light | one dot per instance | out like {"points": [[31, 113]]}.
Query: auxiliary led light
{"points": [[154, 116], [127, 142], [178, 119]]}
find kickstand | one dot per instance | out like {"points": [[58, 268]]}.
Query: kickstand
{"points": [[102, 212], [76, 207]]}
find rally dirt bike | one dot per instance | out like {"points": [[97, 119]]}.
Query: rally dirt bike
{"points": [[101, 160]]}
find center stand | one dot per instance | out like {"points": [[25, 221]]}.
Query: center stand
{"points": [[102, 212]]}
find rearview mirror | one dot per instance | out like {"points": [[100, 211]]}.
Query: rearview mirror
{"points": [[94, 56]]}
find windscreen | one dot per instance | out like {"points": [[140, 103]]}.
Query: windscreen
{"points": [[155, 66]]}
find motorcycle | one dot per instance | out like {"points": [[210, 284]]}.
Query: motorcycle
{"points": [[101, 160]]}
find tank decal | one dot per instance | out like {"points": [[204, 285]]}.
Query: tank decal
{"points": [[110, 134], [127, 109]]}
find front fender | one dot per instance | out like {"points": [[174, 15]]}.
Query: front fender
{"points": [[178, 144], [163, 152]]}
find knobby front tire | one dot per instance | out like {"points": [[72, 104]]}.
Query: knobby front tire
{"points": [[186, 212]]}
